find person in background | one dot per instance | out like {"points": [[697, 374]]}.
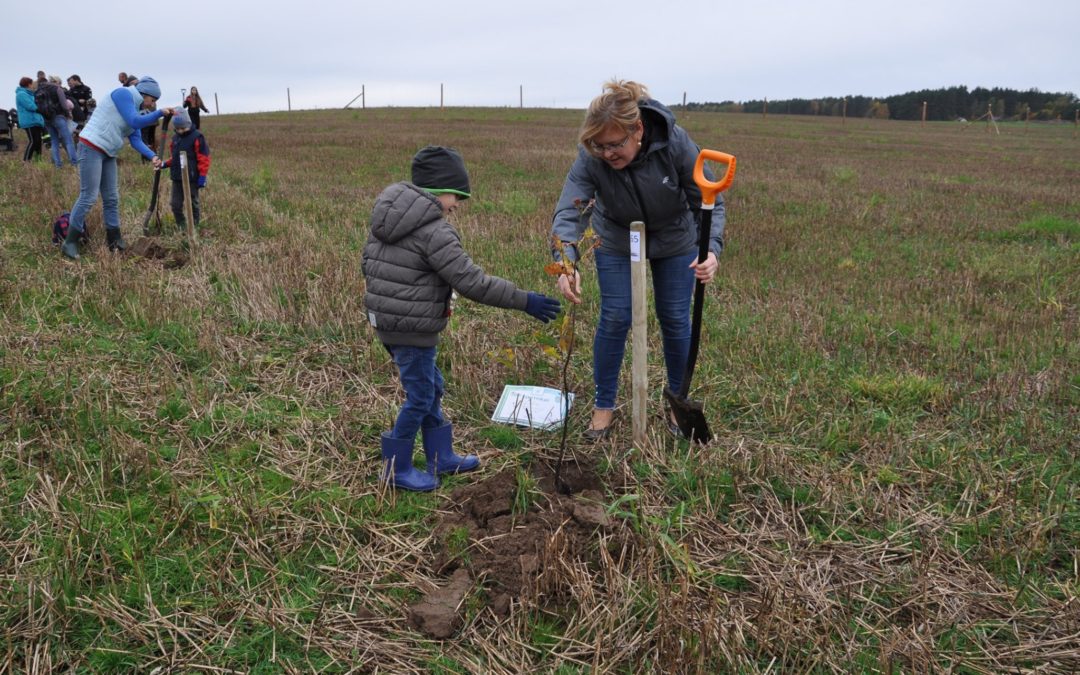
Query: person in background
{"points": [[638, 165], [149, 134], [194, 144], [29, 119], [117, 117], [413, 261], [80, 94], [193, 104], [123, 78], [59, 124]]}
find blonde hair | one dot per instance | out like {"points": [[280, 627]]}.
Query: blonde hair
{"points": [[617, 105], [55, 79]]}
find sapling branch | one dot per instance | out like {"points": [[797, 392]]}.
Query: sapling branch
{"points": [[568, 266]]}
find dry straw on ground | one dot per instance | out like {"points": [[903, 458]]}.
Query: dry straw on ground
{"points": [[188, 453]]}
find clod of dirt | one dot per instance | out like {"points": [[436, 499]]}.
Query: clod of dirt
{"points": [[151, 249], [521, 553], [441, 612]]}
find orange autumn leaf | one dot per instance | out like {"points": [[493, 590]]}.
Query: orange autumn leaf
{"points": [[555, 269]]}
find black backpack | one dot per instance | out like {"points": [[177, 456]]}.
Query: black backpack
{"points": [[47, 101], [60, 230]]}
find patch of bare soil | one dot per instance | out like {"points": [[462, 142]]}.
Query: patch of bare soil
{"points": [[151, 248], [521, 551]]}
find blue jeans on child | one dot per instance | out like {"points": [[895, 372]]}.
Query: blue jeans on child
{"points": [[97, 175], [673, 288], [424, 386], [177, 201], [60, 132]]}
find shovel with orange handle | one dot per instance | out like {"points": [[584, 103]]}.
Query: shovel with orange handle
{"points": [[690, 415]]}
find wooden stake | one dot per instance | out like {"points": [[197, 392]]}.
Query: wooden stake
{"points": [[288, 96], [189, 216], [639, 381], [216, 110], [440, 96], [924, 113], [843, 115], [765, 109]]}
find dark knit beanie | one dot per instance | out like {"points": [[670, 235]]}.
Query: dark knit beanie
{"points": [[438, 170]]}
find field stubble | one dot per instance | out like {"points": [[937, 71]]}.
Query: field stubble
{"points": [[890, 361]]}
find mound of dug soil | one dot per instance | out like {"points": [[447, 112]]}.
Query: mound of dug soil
{"points": [[519, 539], [152, 249]]}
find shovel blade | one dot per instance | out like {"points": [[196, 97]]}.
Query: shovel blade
{"points": [[689, 417]]}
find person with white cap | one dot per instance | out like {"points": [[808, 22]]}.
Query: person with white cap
{"points": [[117, 117], [189, 140]]}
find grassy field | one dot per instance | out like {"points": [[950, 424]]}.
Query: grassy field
{"points": [[890, 363]]}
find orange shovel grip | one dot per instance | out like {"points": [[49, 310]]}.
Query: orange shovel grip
{"points": [[709, 189]]}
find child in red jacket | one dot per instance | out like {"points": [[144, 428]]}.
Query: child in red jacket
{"points": [[189, 140]]}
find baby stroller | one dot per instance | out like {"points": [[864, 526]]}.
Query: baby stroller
{"points": [[7, 135]]}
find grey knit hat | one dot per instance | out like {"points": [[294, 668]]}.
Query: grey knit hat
{"points": [[439, 170]]}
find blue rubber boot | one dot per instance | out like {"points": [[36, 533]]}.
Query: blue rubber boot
{"points": [[439, 449], [399, 472], [70, 247]]}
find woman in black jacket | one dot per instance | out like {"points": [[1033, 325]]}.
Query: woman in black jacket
{"points": [[194, 103], [637, 165]]}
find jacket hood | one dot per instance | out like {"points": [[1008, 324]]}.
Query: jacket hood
{"points": [[401, 209], [659, 122]]}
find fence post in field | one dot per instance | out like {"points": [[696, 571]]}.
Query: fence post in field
{"points": [[521, 96], [684, 100], [843, 113], [440, 96], [288, 97], [216, 111], [639, 367], [765, 109], [924, 113], [188, 214], [355, 97]]}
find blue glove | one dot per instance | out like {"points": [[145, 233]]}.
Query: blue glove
{"points": [[541, 307], [202, 181]]}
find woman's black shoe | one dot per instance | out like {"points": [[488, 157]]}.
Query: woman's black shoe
{"points": [[595, 435]]}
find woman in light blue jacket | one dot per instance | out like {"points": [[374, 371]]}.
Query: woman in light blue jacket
{"points": [[116, 118], [29, 119]]}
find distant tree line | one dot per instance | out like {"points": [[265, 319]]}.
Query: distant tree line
{"points": [[941, 104]]}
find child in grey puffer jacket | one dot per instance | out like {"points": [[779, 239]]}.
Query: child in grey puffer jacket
{"points": [[413, 262]]}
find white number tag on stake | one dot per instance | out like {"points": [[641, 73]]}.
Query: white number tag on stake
{"points": [[635, 247]]}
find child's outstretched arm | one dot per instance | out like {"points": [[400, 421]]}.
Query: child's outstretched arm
{"points": [[453, 264]]}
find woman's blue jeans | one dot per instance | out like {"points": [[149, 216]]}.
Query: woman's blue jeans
{"points": [[60, 132], [673, 289], [424, 386], [97, 175]]}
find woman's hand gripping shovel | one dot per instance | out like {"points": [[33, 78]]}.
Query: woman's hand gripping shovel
{"points": [[689, 415], [152, 210]]}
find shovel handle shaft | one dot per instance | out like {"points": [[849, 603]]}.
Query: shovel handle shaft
{"points": [[710, 189]]}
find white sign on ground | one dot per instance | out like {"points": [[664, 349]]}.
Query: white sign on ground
{"points": [[536, 407]]}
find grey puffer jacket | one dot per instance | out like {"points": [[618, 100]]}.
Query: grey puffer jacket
{"points": [[413, 260], [657, 188]]}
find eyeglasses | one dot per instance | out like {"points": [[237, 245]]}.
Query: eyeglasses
{"points": [[604, 148]]}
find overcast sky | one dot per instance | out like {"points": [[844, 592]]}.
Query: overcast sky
{"points": [[558, 51]]}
